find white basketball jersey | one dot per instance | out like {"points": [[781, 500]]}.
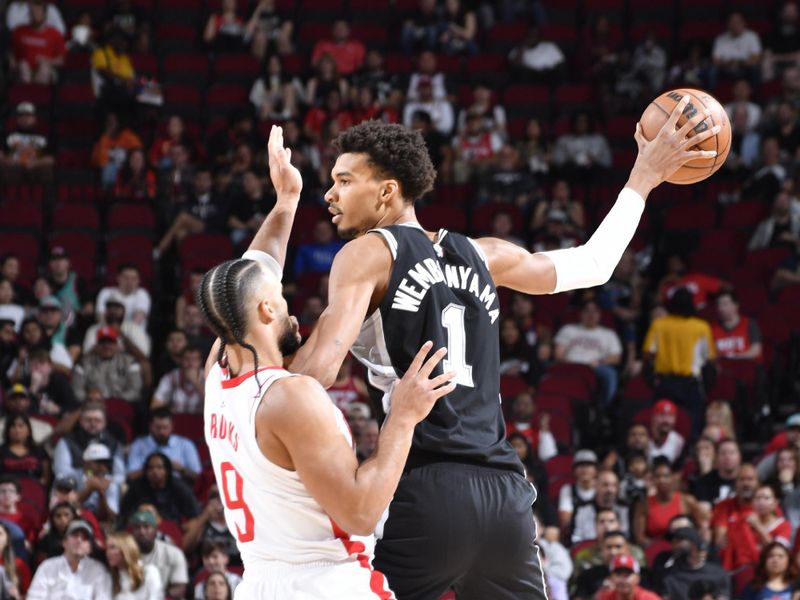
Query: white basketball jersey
{"points": [[267, 508]]}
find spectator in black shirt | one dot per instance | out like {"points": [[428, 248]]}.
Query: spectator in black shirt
{"points": [[249, 208], [50, 542], [210, 526], [719, 483], [19, 454], [10, 270], [8, 349], [438, 145], [506, 182], [690, 565], [25, 154], [174, 499], [52, 392], [204, 213]]}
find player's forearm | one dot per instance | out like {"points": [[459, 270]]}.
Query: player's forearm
{"points": [[273, 235], [594, 262], [377, 478]]}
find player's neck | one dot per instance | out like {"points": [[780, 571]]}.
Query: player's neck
{"points": [[406, 214], [241, 360]]}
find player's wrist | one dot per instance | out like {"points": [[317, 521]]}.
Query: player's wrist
{"points": [[642, 181]]}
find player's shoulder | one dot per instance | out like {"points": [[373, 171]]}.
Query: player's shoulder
{"points": [[366, 252], [294, 395]]}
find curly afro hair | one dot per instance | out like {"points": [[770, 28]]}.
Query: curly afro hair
{"points": [[395, 152]]}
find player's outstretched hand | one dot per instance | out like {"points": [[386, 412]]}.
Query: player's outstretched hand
{"points": [[285, 176], [416, 393], [660, 157]]}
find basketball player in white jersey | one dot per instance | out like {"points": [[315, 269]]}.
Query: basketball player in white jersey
{"points": [[282, 454]]}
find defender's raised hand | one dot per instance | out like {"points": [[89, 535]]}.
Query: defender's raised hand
{"points": [[285, 176]]}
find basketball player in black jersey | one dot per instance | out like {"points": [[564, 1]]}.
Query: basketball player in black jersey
{"points": [[461, 516]]}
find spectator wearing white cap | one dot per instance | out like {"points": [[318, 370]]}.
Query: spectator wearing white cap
{"points": [[25, 152], [99, 491], [134, 297], [73, 575], [572, 497]]}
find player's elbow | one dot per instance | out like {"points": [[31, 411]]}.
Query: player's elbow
{"points": [[359, 522]]}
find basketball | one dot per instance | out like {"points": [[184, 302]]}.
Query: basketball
{"points": [[657, 113]]}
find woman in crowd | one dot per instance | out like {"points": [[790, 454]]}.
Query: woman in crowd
{"points": [[16, 572], [786, 482], [135, 181], [761, 527], [50, 543], [776, 574], [216, 587], [32, 336], [224, 31], [517, 357], [130, 580], [19, 455], [653, 513]]}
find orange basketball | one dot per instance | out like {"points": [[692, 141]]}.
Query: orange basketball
{"points": [[659, 110]]}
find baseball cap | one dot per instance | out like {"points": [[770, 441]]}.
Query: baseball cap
{"points": [[26, 108], [143, 517], [17, 390], [665, 407], [584, 457], [793, 420], [96, 451], [66, 483], [687, 533], [80, 525], [58, 252], [50, 302], [115, 298], [359, 409], [624, 562], [106, 333]]}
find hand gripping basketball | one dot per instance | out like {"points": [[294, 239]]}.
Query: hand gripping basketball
{"points": [[670, 149], [416, 393]]}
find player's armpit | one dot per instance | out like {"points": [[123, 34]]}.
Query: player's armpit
{"points": [[514, 267], [360, 267], [300, 416]]}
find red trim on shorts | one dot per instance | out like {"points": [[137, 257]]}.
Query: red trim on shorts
{"points": [[231, 383], [377, 582]]}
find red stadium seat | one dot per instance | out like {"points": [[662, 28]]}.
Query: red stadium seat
{"points": [[559, 473], [145, 65], [130, 248], [765, 260], [131, 216], [689, 217], [638, 388], [398, 64], [571, 96], [744, 215], [76, 243], [575, 389], [221, 98], [512, 386], [187, 425], [39, 95], [204, 250], [25, 246], [186, 66], [550, 403], [654, 548], [21, 216], [526, 94], [561, 429], [172, 530], [76, 216], [33, 493], [583, 372], [238, 67]]}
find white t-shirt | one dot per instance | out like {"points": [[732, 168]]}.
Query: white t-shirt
{"points": [[54, 579], [137, 301], [584, 346], [170, 562], [151, 588], [565, 500], [742, 47], [671, 448]]}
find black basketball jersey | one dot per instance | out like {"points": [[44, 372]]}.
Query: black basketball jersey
{"points": [[442, 291]]}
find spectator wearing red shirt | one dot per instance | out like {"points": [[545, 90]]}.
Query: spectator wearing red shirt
{"points": [[10, 491], [735, 336], [625, 581], [766, 525], [348, 54], [537, 432], [38, 49], [729, 518], [788, 438], [700, 285]]}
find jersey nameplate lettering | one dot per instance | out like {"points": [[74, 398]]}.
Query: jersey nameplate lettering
{"points": [[428, 273]]}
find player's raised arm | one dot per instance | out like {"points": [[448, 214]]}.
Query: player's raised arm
{"points": [[593, 263], [360, 267], [300, 416]]}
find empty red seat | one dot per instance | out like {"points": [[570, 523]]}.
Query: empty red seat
{"points": [[765, 261], [75, 93], [228, 67], [204, 250], [183, 65], [145, 65], [483, 215], [76, 216], [744, 214], [370, 34], [637, 388], [397, 64], [76, 244], [550, 403], [26, 247], [526, 94], [33, 492], [572, 95], [130, 216], [21, 216], [559, 473], [583, 372], [226, 96], [689, 217], [40, 95], [574, 389], [512, 386]]}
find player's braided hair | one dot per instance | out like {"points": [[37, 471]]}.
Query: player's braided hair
{"points": [[395, 152], [222, 299]]}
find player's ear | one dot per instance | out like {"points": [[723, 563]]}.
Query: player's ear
{"points": [[389, 188], [265, 312]]}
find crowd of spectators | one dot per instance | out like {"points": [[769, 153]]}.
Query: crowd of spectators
{"points": [[657, 414]]}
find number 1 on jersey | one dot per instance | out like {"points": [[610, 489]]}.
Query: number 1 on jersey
{"points": [[456, 359], [237, 503]]}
